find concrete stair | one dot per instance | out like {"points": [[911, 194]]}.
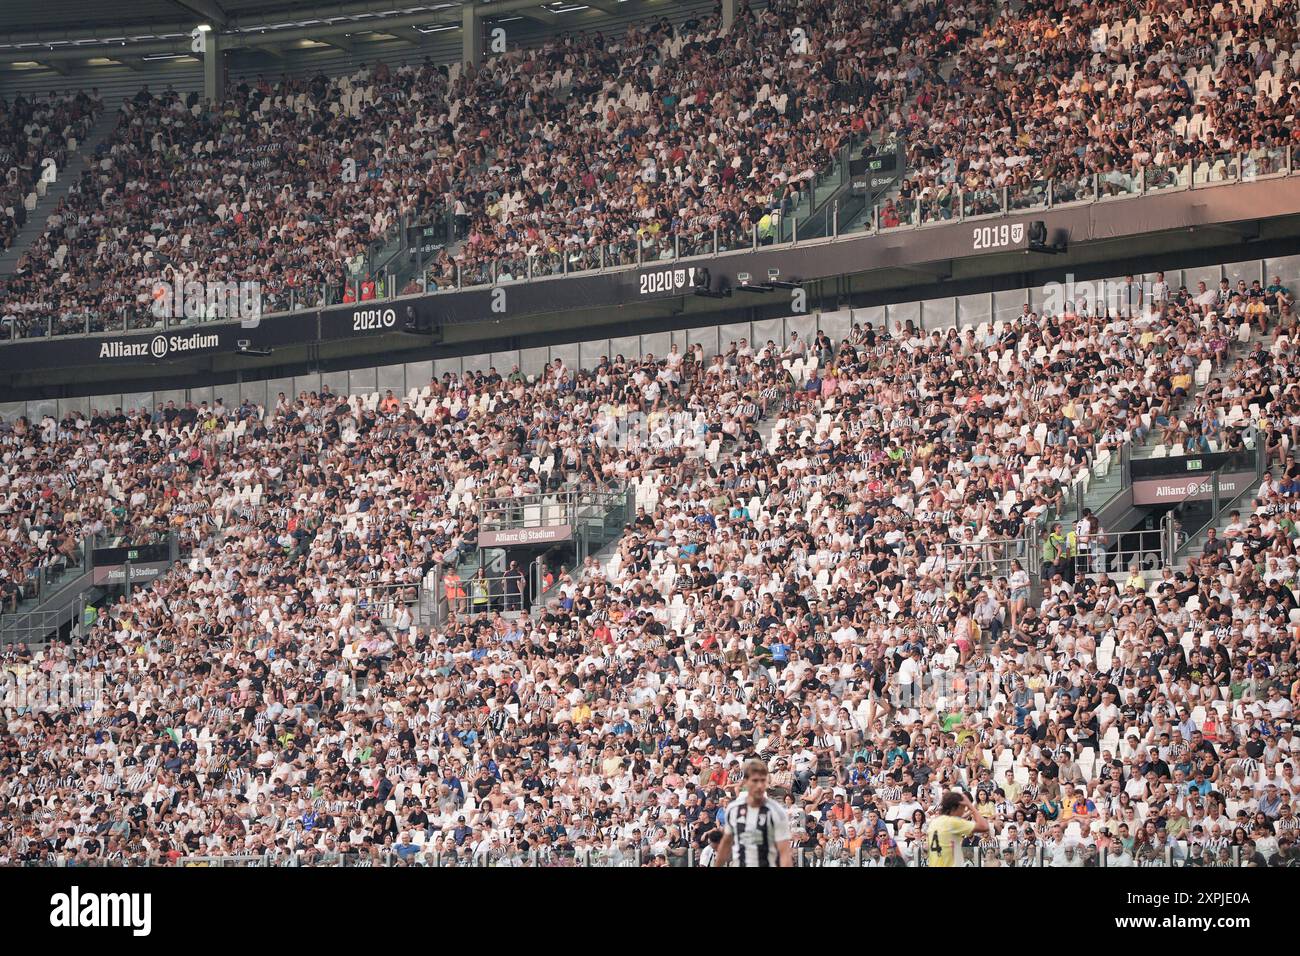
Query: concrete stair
{"points": [[69, 176], [1102, 489], [1196, 541]]}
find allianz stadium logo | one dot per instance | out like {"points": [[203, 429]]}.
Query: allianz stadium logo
{"points": [[159, 347]]}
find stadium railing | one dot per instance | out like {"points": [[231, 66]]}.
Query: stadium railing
{"points": [[972, 310], [1233, 167], [1178, 854]]}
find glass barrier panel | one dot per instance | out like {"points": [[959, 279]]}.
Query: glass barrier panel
{"points": [[620, 253], [439, 276], [696, 244], [1263, 162], [657, 247], [1219, 168], [1027, 194], [1066, 189], [584, 258], [1119, 182], [739, 236], [896, 213], [476, 272], [981, 202], [1164, 176], [548, 263], [512, 268], [939, 206]]}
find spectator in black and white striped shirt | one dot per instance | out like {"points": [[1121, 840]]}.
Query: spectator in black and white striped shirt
{"points": [[756, 826]]}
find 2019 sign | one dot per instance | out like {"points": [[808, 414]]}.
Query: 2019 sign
{"points": [[998, 237]]}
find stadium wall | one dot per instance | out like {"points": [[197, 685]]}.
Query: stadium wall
{"points": [[1105, 237], [961, 310]]}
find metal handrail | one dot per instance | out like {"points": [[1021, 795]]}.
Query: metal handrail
{"points": [[35, 621], [1174, 854], [385, 598], [539, 510], [1133, 186], [1112, 552], [487, 594], [1261, 460]]}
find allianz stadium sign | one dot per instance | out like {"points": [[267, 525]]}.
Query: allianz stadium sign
{"points": [[158, 347], [1159, 491], [544, 534]]}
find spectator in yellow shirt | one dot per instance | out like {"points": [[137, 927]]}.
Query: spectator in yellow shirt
{"points": [[1257, 312]]}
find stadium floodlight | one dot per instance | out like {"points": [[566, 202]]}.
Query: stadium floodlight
{"points": [[1037, 234], [245, 347], [413, 323], [748, 284], [702, 286]]}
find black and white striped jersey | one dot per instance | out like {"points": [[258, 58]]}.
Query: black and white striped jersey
{"points": [[756, 832]]}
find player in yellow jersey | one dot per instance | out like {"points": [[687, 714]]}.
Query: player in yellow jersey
{"points": [[957, 820]]}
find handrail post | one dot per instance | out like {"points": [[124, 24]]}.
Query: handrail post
{"points": [[1173, 538]]}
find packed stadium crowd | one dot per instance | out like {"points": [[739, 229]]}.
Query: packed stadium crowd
{"points": [[1129, 92], [591, 148], [827, 567], [32, 131]]}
